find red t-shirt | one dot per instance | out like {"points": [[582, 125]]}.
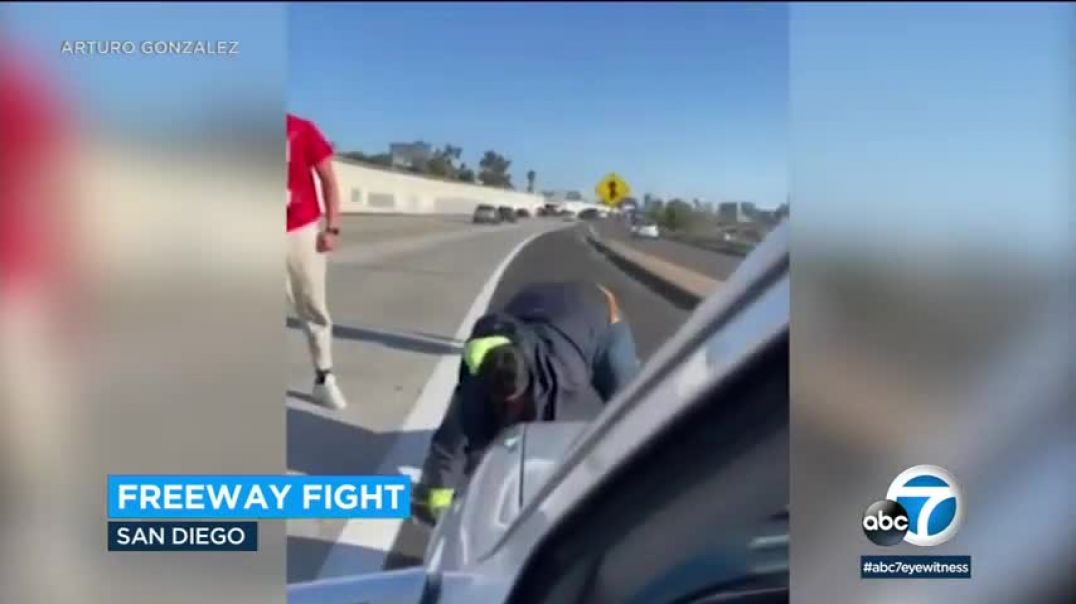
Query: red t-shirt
{"points": [[306, 148], [30, 123]]}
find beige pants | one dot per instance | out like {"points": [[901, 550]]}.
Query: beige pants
{"points": [[39, 458], [306, 292]]}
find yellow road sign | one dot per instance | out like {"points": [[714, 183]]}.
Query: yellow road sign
{"points": [[612, 189]]}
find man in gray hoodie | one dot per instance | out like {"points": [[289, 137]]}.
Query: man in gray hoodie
{"points": [[552, 347]]}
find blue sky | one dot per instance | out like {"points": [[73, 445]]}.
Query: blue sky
{"points": [[901, 113], [686, 100], [157, 91], [933, 122]]}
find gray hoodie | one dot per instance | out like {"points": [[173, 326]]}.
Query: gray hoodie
{"points": [[559, 328]]}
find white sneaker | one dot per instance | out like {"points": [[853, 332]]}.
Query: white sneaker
{"points": [[327, 394]]}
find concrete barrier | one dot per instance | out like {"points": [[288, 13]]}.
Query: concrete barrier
{"points": [[369, 190], [681, 286]]}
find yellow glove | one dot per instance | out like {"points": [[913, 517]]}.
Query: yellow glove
{"points": [[439, 500]]}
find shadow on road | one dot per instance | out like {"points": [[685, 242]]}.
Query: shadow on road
{"points": [[438, 338], [303, 396], [321, 446], [411, 342]]}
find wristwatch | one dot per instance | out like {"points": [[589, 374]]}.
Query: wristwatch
{"points": [[333, 231]]}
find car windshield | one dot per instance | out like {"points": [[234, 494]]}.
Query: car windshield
{"points": [[585, 228]]}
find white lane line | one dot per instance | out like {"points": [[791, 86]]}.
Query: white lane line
{"points": [[364, 544]]}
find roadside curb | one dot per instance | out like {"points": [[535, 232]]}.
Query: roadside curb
{"points": [[680, 291], [739, 251]]}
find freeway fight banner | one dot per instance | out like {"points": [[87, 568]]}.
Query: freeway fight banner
{"points": [[136, 498]]}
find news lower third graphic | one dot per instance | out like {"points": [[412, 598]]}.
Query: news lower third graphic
{"points": [[924, 507], [188, 536], [915, 567], [209, 506]]}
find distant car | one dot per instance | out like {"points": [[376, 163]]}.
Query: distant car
{"points": [[507, 214], [589, 214], [486, 214], [522, 213], [646, 230]]}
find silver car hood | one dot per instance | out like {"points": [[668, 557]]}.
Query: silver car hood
{"points": [[390, 587], [511, 472]]}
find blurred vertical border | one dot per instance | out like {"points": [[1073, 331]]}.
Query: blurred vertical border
{"points": [[932, 288], [141, 247]]}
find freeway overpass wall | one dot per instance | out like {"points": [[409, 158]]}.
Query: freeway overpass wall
{"points": [[369, 190]]}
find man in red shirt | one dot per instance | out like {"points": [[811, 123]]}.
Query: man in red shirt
{"points": [[308, 153], [42, 303]]}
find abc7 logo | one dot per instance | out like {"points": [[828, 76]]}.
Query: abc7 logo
{"points": [[923, 507]]}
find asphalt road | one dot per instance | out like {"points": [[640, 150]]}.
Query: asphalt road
{"points": [[565, 255], [399, 291], [708, 262]]}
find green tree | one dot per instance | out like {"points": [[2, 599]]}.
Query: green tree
{"points": [[655, 211], [465, 174], [781, 212], [443, 162], [677, 215], [493, 170], [438, 166], [530, 180]]}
